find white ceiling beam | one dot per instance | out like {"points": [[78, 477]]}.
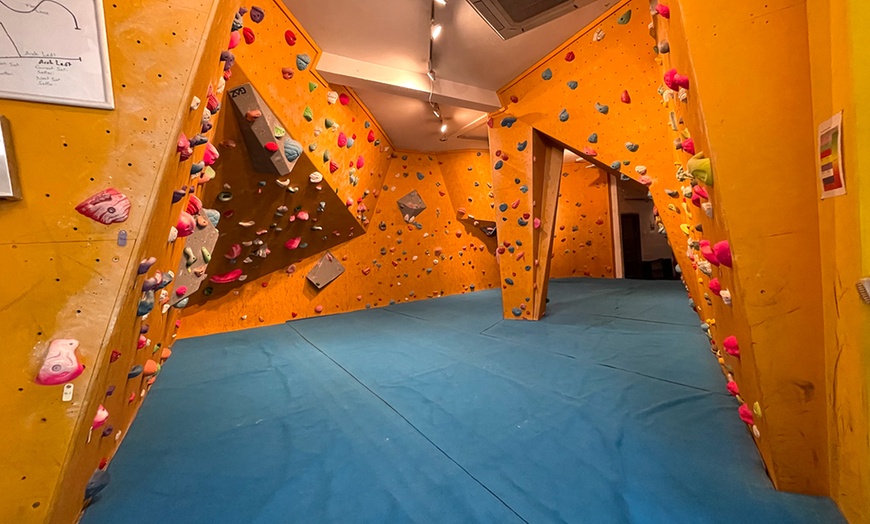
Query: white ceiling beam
{"points": [[337, 69]]}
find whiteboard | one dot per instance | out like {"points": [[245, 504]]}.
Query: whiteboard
{"points": [[54, 51]]}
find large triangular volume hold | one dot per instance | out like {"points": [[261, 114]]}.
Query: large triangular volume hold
{"points": [[325, 271], [411, 205], [269, 154]]}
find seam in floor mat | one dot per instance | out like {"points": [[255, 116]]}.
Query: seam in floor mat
{"points": [[396, 411]]}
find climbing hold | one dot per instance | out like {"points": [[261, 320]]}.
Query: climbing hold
{"points": [[60, 364], [664, 11], [664, 48], [603, 109], [508, 121], [509, 281], [342, 139], [631, 146], [725, 295], [598, 35], [257, 14], [271, 147], [360, 162], [331, 97], [731, 347], [707, 252], [146, 304], [675, 80], [344, 99], [572, 84], [226, 278], [318, 309], [521, 146], [688, 146], [302, 61], [715, 286], [616, 165], [106, 207], [287, 73], [569, 57], [293, 243], [732, 388], [134, 372], [746, 414], [333, 166], [186, 224], [547, 74], [292, 149], [99, 480], [701, 168], [290, 37], [315, 177], [563, 116], [253, 115], [625, 18], [722, 251], [625, 97], [145, 264], [498, 165], [248, 35], [371, 136]]}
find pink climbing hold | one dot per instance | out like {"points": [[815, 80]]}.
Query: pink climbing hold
{"points": [[349, 202], [61, 364], [235, 38], [318, 309], [675, 80], [302, 215], [333, 166], [746, 414], [731, 346], [109, 206], [588, 151], [626, 98], [181, 291], [233, 252], [194, 205], [715, 286], [688, 146], [100, 418], [664, 11], [183, 147], [287, 73], [293, 243], [698, 193], [733, 388], [360, 162], [210, 155], [536, 222], [186, 224], [342, 140], [226, 278], [723, 253], [141, 342], [707, 252], [344, 99]]}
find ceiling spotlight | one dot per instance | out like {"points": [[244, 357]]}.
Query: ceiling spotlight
{"points": [[441, 2], [436, 30], [443, 128]]}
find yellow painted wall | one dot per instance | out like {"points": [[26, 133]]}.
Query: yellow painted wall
{"points": [[69, 278], [583, 240], [840, 82]]}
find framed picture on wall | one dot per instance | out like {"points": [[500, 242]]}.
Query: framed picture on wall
{"points": [[54, 52]]}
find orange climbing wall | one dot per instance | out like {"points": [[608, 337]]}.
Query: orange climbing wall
{"points": [[583, 242], [577, 96], [71, 278], [393, 262], [840, 79], [776, 313]]}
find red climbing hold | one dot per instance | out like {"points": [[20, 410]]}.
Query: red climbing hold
{"points": [[248, 33], [626, 98], [271, 147], [290, 37], [371, 137], [333, 166], [570, 56]]}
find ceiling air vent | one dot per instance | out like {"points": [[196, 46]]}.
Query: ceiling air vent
{"points": [[510, 18]]}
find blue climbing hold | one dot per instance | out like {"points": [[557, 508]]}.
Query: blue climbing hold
{"points": [[517, 311], [302, 61], [524, 189], [509, 281], [616, 165], [547, 74], [573, 85], [563, 116], [292, 149], [420, 176], [593, 138], [631, 146], [522, 145], [502, 207], [508, 121], [498, 165]]}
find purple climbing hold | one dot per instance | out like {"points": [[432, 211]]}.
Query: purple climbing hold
{"points": [[145, 264], [257, 14], [122, 237], [178, 195]]}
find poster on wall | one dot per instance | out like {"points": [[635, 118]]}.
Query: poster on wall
{"points": [[54, 51], [831, 157]]}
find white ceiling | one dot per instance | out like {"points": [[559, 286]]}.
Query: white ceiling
{"points": [[395, 33]]}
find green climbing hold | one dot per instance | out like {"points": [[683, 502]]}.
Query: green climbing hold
{"points": [[311, 86], [326, 156], [328, 122], [308, 114], [625, 18]]}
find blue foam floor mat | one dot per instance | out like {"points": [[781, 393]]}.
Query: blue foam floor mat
{"points": [[610, 410]]}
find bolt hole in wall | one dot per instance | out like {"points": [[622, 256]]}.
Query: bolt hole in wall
{"points": [[646, 253]]}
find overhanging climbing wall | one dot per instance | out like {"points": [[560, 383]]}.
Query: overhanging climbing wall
{"points": [[341, 195], [75, 273]]}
